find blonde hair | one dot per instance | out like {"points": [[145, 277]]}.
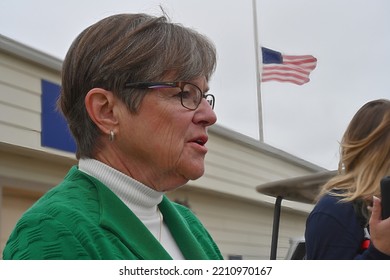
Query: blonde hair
{"points": [[364, 154]]}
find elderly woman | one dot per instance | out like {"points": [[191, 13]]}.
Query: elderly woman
{"points": [[134, 93]]}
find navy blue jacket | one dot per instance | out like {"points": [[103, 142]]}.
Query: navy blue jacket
{"points": [[335, 232]]}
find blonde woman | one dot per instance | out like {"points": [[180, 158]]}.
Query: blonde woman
{"points": [[346, 221]]}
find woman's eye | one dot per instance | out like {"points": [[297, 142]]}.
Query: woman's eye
{"points": [[184, 94]]}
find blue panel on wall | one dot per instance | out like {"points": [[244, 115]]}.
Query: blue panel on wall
{"points": [[55, 132]]}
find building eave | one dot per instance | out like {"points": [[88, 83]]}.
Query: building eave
{"points": [[15, 48]]}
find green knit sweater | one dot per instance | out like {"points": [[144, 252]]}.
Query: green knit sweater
{"points": [[82, 219]]}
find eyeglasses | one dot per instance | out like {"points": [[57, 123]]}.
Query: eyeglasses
{"points": [[190, 94]]}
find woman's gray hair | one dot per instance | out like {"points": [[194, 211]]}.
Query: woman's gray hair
{"points": [[127, 48]]}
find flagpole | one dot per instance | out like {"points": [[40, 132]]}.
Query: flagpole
{"points": [[258, 71]]}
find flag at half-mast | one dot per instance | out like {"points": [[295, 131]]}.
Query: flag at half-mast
{"points": [[279, 67]]}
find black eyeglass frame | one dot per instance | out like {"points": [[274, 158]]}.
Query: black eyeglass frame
{"points": [[181, 85]]}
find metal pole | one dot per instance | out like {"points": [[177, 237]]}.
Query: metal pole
{"points": [[275, 229], [259, 61]]}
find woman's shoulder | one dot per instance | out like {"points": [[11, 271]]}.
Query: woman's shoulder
{"points": [[332, 204], [64, 201], [330, 197]]}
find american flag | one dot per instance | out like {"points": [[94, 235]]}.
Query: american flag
{"points": [[286, 68]]}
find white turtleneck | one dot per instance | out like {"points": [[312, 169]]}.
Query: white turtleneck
{"points": [[140, 199]]}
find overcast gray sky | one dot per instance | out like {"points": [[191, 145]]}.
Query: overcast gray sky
{"points": [[350, 39]]}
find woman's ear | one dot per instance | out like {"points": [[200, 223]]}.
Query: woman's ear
{"points": [[100, 104]]}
